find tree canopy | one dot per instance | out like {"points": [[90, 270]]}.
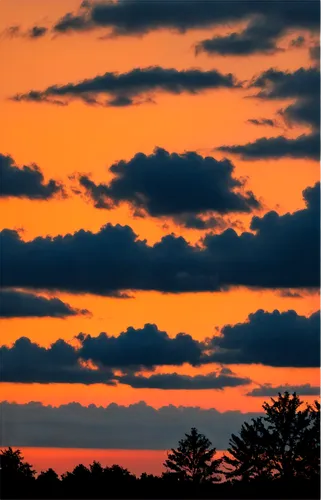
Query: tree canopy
{"points": [[283, 444], [193, 460]]}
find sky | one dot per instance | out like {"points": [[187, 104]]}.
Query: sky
{"points": [[160, 229]]}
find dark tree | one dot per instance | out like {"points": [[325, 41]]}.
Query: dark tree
{"points": [[49, 477], [12, 464], [193, 460], [16, 475], [284, 444]]}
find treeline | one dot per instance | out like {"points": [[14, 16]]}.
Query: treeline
{"points": [[274, 456]]}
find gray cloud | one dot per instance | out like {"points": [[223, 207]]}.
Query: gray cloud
{"points": [[18, 304], [25, 182], [181, 186], [134, 87], [267, 390], [273, 339], [137, 426], [174, 381], [283, 251]]}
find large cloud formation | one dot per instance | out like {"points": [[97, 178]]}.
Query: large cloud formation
{"points": [[181, 186], [283, 339], [134, 87], [25, 182], [130, 17], [282, 252], [302, 85], [137, 426], [273, 339], [18, 304]]}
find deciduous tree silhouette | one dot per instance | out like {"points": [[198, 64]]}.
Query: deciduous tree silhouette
{"points": [[193, 460], [12, 464], [15, 473], [284, 444]]}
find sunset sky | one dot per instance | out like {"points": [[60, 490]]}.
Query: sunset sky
{"points": [[160, 217]]}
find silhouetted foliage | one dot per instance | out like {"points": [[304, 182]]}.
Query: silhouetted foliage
{"points": [[16, 474], [276, 456], [193, 460], [284, 444]]}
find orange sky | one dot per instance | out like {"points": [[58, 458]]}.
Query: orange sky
{"points": [[79, 138]]}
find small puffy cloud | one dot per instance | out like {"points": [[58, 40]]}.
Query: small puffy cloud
{"points": [[25, 182], [37, 31], [266, 122], [174, 381], [137, 426], [268, 390], [140, 348], [272, 339], [32, 33], [298, 42], [18, 304], [180, 186], [134, 87]]}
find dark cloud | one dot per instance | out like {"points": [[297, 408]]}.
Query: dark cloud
{"points": [[302, 85], [283, 251], [33, 33], [25, 182], [273, 339], [135, 17], [303, 146], [315, 53], [267, 390], [27, 362], [137, 426], [140, 348], [37, 31], [133, 87], [180, 186], [259, 37], [174, 381], [17, 304], [298, 42], [262, 122], [290, 294]]}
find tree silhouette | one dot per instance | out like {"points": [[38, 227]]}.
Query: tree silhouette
{"points": [[284, 444], [12, 464], [15, 474], [193, 460]]}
